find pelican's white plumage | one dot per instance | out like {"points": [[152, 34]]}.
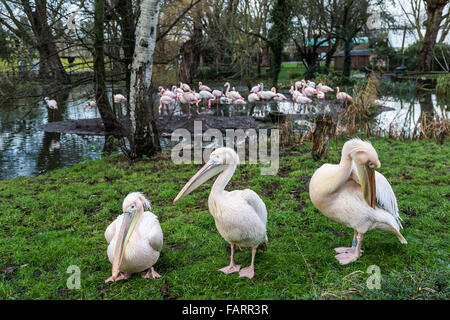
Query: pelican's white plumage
{"points": [[145, 241], [240, 215], [362, 203]]}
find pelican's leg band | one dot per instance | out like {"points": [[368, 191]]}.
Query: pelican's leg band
{"points": [[354, 243]]}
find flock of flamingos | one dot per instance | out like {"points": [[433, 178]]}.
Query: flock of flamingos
{"points": [[350, 192], [302, 92]]}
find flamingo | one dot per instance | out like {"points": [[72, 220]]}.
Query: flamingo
{"points": [[299, 84], [202, 87], [217, 94], [279, 96], [188, 98], [185, 87], [118, 99], [266, 95], [164, 92], [240, 215], [253, 97], [256, 88], [354, 194], [301, 99], [90, 105], [206, 95], [311, 84], [51, 104], [233, 95], [308, 91], [323, 88], [165, 100], [320, 95], [342, 96], [135, 239]]}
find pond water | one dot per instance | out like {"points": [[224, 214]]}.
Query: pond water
{"points": [[26, 150]]}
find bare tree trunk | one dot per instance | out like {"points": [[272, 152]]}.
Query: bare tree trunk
{"points": [[128, 29], [48, 54], [109, 120], [191, 51], [432, 24], [144, 138]]}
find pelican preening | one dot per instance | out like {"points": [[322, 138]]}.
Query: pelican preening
{"points": [[240, 215], [135, 239], [354, 194], [351, 193]]}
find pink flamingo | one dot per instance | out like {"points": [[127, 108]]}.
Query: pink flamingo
{"points": [[299, 84], [188, 98], [118, 99], [233, 95], [256, 88], [253, 97], [323, 88], [90, 105], [206, 96], [279, 96], [217, 94], [320, 95], [308, 91], [202, 87], [185, 87], [303, 99], [266, 95], [51, 104], [167, 101], [342, 96]]}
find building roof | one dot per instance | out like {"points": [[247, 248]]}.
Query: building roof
{"points": [[354, 53]]}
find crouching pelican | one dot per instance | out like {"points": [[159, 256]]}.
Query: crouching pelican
{"points": [[354, 194], [240, 215], [135, 239]]}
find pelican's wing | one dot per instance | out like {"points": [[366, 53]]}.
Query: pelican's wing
{"points": [[386, 197], [155, 234], [256, 203], [111, 231]]}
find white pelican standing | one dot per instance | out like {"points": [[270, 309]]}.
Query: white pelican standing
{"points": [[135, 239], [354, 194], [240, 215]]}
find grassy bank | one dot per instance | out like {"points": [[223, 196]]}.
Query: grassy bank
{"points": [[50, 222]]}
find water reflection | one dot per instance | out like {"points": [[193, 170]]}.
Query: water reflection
{"points": [[406, 112]]}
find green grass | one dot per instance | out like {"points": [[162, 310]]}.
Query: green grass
{"points": [[58, 219]]}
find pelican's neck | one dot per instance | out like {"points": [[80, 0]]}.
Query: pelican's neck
{"points": [[222, 180], [345, 165]]}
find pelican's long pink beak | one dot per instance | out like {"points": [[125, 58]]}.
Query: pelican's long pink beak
{"points": [[129, 221], [209, 170]]}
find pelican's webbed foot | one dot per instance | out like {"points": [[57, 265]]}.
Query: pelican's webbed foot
{"points": [[231, 268], [122, 276], [151, 273], [347, 257], [248, 272]]}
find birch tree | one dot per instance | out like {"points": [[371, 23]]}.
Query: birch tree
{"points": [[144, 138]]}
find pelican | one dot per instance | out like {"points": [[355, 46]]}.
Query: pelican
{"points": [[135, 239], [240, 215], [354, 194]]}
